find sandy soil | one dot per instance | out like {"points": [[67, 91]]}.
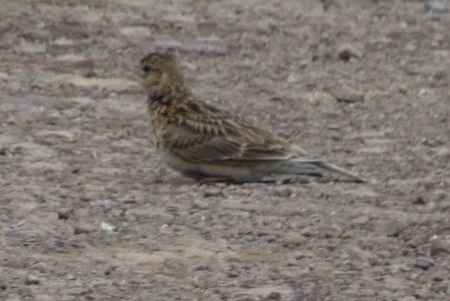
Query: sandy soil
{"points": [[88, 212]]}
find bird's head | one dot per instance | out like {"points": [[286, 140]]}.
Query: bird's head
{"points": [[160, 73]]}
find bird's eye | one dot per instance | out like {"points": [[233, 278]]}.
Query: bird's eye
{"points": [[146, 68]]}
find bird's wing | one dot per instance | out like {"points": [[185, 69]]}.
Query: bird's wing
{"points": [[203, 133]]}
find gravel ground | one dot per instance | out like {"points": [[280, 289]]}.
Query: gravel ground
{"points": [[88, 212]]}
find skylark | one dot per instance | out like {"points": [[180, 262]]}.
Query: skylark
{"points": [[210, 144]]}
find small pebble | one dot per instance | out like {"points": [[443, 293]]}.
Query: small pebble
{"points": [[3, 283], [64, 213], [359, 255], [108, 204], [347, 94], [360, 220], [165, 229], [291, 262], [173, 208], [332, 231], [201, 267], [431, 206], [317, 193], [298, 255], [200, 204], [423, 263], [438, 278], [436, 6], [308, 232], [244, 230], [109, 270], [81, 228], [293, 240], [420, 200], [213, 298], [274, 296], [32, 279], [348, 51], [233, 273], [439, 245], [109, 228], [393, 229], [40, 266]]}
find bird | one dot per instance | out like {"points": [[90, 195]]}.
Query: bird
{"points": [[210, 144]]}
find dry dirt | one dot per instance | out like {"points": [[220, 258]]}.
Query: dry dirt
{"points": [[88, 212]]}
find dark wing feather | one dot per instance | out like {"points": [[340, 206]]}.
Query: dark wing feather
{"points": [[206, 134]]}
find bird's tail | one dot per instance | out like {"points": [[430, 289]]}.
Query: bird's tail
{"points": [[309, 167]]}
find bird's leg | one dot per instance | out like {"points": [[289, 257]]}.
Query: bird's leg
{"points": [[215, 179]]}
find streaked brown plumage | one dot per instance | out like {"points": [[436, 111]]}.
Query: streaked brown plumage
{"points": [[202, 141]]}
